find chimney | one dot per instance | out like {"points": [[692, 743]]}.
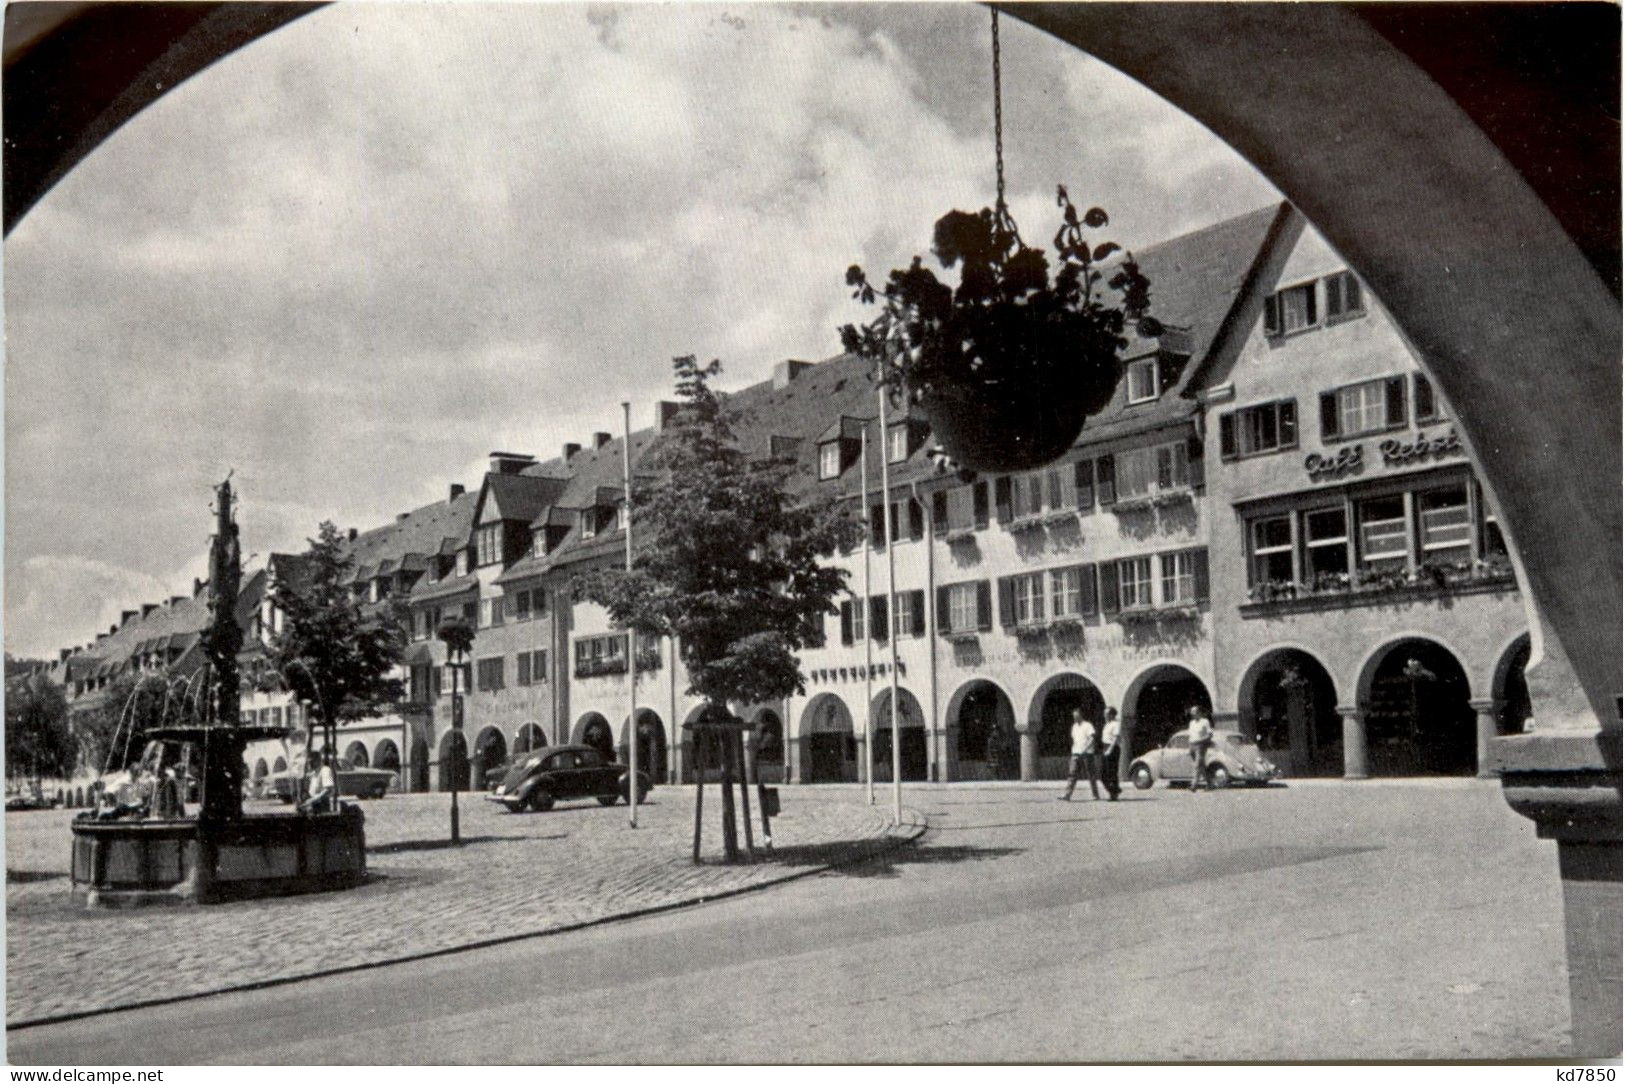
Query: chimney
{"points": [[401, 515], [456, 491], [100, 636], [147, 608], [665, 414], [786, 371], [64, 654], [600, 439], [197, 587], [176, 600], [570, 450], [352, 534], [510, 462], [124, 618]]}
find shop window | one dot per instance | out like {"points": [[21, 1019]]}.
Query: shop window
{"points": [[1446, 527], [1382, 534], [1272, 550], [1326, 543]]}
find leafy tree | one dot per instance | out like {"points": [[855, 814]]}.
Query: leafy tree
{"points": [[336, 657], [129, 703], [726, 558], [39, 741]]}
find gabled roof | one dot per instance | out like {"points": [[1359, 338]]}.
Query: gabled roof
{"points": [[422, 530], [519, 496]]}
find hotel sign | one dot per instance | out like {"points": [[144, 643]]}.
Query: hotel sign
{"points": [[1395, 452]]}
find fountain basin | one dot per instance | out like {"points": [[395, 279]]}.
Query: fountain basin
{"points": [[138, 863]]}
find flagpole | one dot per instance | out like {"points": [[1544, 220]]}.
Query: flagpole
{"points": [[868, 632], [631, 633], [891, 603]]}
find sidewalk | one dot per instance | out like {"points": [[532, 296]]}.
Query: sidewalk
{"points": [[514, 876]]}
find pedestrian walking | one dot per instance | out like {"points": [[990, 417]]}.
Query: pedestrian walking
{"points": [[1109, 755], [1085, 748], [1201, 736]]}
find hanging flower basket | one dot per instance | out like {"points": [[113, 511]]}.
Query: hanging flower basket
{"points": [[1007, 365]]}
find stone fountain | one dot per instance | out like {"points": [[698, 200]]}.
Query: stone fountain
{"points": [[220, 853]]}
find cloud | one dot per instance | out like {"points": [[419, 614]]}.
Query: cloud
{"points": [[353, 258], [55, 602]]}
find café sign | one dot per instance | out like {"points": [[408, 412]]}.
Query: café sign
{"points": [[1350, 459]]}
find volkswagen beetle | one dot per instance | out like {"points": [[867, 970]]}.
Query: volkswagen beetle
{"points": [[1232, 758], [563, 773]]}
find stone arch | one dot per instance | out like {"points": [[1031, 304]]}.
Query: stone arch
{"points": [[828, 741], [356, 755], [652, 745], [1049, 716], [420, 764], [529, 738], [453, 761], [1286, 698], [261, 769], [1156, 701], [490, 753], [593, 729], [769, 742], [1415, 697], [387, 755], [911, 734], [1508, 687], [980, 726], [280, 764]]}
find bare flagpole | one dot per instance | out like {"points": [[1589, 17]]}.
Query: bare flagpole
{"points": [[891, 604], [631, 633], [868, 633]]}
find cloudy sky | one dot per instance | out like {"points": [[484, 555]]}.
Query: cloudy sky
{"points": [[352, 259]]}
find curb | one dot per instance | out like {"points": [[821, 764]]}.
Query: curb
{"points": [[891, 838]]}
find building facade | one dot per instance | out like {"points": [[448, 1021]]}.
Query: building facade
{"points": [[1272, 520]]}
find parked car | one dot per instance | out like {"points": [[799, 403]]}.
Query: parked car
{"points": [[1232, 758], [353, 782], [564, 773]]}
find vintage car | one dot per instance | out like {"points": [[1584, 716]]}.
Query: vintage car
{"points": [[353, 782], [563, 773], [1232, 758]]}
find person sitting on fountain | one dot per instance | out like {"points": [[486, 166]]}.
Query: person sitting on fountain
{"points": [[130, 797], [323, 786], [168, 799]]}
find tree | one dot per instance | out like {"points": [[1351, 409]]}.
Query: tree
{"points": [[337, 659], [39, 741], [726, 559]]}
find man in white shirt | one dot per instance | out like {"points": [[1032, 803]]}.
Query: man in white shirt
{"points": [[1108, 754], [1085, 748], [1201, 737], [323, 786]]}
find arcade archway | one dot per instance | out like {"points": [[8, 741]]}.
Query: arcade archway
{"points": [[911, 737], [829, 747], [1288, 701], [1415, 701], [420, 765], [1159, 701], [1510, 690], [528, 738], [387, 755], [593, 729], [355, 755], [651, 745], [1051, 716], [453, 762], [490, 751], [983, 724], [769, 747]]}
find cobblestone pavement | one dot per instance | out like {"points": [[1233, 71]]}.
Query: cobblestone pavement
{"points": [[514, 875]]}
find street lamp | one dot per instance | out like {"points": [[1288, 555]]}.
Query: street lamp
{"points": [[458, 637]]}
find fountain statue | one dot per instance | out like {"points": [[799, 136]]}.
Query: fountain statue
{"points": [[151, 851]]}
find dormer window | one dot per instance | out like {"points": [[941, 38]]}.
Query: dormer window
{"points": [[1142, 380], [829, 460], [462, 562], [897, 443], [589, 522], [488, 544]]}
